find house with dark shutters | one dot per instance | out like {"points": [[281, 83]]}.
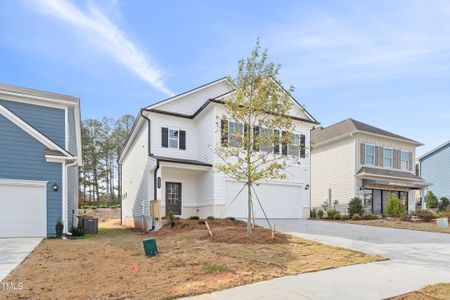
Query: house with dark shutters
{"points": [[167, 164], [353, 159]]}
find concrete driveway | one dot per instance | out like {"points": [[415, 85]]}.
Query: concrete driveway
{"points": [[416, 259], [13, 251]]}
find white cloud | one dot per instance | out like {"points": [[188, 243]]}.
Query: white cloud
{"points": [[106, 35]]}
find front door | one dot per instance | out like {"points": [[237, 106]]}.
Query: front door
{"points": [[173, 197]]}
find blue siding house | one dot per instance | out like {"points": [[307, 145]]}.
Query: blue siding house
{"points": [[40, 152], [434, 167]]}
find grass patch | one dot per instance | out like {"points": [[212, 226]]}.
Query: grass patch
{"points": [[215, 268], [439, 291], [189, 262], [420, 226]]}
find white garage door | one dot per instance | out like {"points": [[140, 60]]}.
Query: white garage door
{"points": [[278, 201], [23, 209]]}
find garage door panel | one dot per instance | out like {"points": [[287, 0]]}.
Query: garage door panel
{"points": [[278, 201], [23, 210]]}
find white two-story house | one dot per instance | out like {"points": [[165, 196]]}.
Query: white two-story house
{"points": [[170, 156], [353, 159]]}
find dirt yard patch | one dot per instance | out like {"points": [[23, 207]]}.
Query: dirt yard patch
{"points": [[433, 292], [421, 226], [111, 265]]}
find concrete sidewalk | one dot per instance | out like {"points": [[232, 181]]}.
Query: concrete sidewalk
{"points": [[416, 259], [13, 251]]}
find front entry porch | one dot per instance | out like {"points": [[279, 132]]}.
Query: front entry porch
{"points": [[183, 187]]}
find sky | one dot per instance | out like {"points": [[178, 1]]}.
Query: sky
{"points": [[385, 63]]}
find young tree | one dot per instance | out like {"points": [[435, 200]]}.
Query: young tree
{"points": [[258, 115], [431, 200]]}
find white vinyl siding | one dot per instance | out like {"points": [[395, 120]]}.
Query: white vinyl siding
{"points": [[333, 167], [137, 176]]}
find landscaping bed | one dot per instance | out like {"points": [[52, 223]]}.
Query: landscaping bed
{"points": [[111, 265], [439, 291], [397, 223]]}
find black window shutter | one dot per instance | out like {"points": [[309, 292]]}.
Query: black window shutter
{"points": [[284, 146], [182, 140], [276, 141], [224, 132], [256, 141], [164, 137], [302, 146]]}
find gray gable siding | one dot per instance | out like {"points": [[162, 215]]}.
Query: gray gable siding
{"points": [[22, 157], [49, 121], [435, 168]]}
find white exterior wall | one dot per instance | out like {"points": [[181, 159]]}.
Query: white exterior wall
{"points": [[383, 142], [333, 167], [297, 174], [136, 171], [188, 104]]}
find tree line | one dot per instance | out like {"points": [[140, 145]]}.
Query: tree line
{"points": [[102, 141]]}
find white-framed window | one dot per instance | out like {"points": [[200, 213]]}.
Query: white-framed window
{"points": [[388, 157], [174, 138], [370, 155], [266, 139], [404, 160], [235, 132], [294, 145]]}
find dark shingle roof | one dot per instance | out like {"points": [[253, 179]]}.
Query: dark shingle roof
{"points": [[320, 134], [32, 92], [387, 173]]}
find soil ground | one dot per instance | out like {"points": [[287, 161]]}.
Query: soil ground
{"points": [[433, 292], [421, 226], [112, 265]]}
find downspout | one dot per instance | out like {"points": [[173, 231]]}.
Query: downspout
{"points": [[149, 124]]}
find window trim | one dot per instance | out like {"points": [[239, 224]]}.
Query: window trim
{"points": [[392, 157], [365, 155], [401, 160], [169, 138], [231, 134]]}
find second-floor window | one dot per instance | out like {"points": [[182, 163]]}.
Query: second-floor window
{"points": [[405, 160], [387, 157], [370, 155], [294, 145], [173, 138], [235, 132]]}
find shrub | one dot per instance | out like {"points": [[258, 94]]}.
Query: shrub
{"points": [[194, 218], [345, 217], [425, 215], [337, 216], [59, 227], [210, 218], [215, 268], [443, 214], [431, 200], [356, 217], [313, 213], [369, 217], [320, 213], [394, 207], [231, 219], [443, 204], [406, 216], [355, 206], [172, 219], [331, 213], [201, 222]]}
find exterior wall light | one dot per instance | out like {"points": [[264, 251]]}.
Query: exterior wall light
{"points": [[307, 187], [55, 187]]}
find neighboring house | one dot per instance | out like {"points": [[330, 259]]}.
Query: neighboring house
{"points": [[40, 151], [434, 167], [170, 156], [351, 158]]}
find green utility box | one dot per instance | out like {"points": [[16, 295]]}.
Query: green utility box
{"points": [[150, 247]]}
